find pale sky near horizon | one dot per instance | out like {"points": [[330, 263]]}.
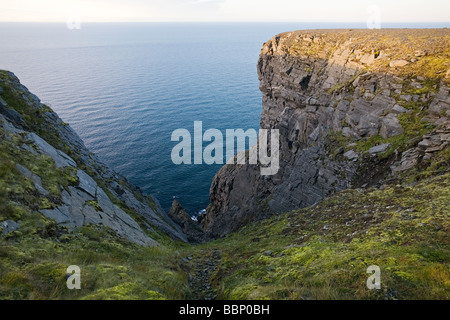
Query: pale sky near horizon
{"points": [[224, 10]]}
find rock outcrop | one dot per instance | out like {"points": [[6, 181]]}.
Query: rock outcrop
{"points": [[354, 108], [83, 191], [191, 228]]}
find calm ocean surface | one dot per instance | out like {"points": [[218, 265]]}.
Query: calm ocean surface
{"points": [[126, 87]]}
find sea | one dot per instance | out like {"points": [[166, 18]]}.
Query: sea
{"points": [[126, 87]]}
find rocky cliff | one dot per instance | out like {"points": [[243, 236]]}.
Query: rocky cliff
{"points": [[355, 108], [46, 173], [60, 206]]}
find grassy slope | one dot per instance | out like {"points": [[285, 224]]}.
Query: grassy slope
{"points": [[33, 260], [323, 252], [33, 267], [320, 252]]}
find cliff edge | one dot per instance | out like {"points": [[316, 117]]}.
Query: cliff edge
{"points": [[355, 108]]}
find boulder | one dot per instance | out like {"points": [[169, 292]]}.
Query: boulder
{"points": [[368, 125], [11, 114], [420, 53], [379, 149], [409, 160], [349, 133], [9, 226], [399, 109], [390, 126], [398, 63], [368, 59], [86, 183], [351, 155], [8, 126], [438, 108]]}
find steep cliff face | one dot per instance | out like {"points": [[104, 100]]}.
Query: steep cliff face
{"points": [[46, 173], [355, 108]]}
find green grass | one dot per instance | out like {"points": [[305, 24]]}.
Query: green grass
{"points": [[393, 44], [94, 204], [16, 191], [323, 252], [320, 252], [33, 267]]}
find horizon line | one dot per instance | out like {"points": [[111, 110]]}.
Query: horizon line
{"points": [[231, 21]]}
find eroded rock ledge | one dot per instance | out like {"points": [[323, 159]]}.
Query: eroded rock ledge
{"points": [[355, 108]]}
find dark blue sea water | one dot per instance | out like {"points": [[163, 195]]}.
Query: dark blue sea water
{"points": [[126, 87]]}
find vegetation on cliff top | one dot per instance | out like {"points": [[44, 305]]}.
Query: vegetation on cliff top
{"points": [[425, 51]]}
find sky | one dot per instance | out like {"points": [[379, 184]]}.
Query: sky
{"points": [[224, 10]]}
